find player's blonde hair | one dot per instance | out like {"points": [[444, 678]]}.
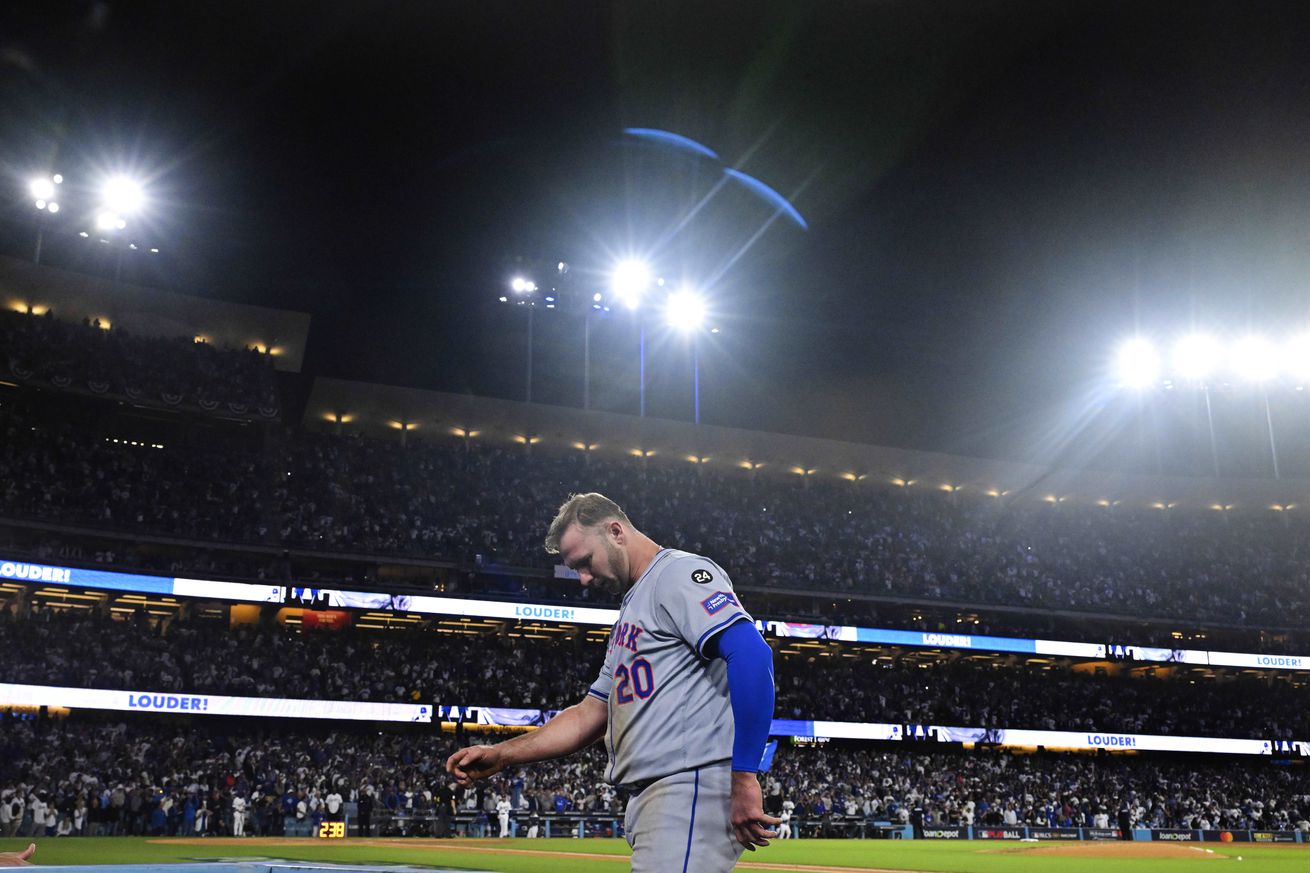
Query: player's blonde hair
{"points": [[586, 511]]}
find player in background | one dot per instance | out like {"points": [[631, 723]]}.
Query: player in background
{"points": [[335, 805], [238, 816], [784, 821], [684, 700], [502, 813]]}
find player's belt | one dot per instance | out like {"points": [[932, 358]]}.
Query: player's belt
{"points": [[635, 788]]}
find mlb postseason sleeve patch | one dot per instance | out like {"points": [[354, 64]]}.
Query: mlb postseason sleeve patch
{"points": [[718, 600], [684, 607]]}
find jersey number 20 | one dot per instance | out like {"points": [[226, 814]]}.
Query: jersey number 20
{"points": [[639, 679]]}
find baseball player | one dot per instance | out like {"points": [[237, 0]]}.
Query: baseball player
{"points": [[502, 813], [684, 699], [238, 816]]}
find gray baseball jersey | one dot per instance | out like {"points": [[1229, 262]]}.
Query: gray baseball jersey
{"points": [[669, 709]]}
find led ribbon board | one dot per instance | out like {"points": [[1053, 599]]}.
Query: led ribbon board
{"points": [[210, 704], [328, 598], [347, 710], [1088, 740]]}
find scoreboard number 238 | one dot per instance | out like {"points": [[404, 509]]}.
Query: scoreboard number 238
{"points": [[331, 830]]}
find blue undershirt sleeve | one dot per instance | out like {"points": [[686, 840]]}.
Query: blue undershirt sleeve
{"points": [[750, 685]]}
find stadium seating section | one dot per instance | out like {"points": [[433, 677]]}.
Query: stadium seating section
{"points": [[83, 484]]}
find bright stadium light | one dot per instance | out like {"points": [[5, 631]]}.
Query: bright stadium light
{"points": [[109, 221], [1196, 356], [685, 311], [629, 282], [1254, 359], [122, 196], [1137, 364], [42, 188], [1296, 358]]}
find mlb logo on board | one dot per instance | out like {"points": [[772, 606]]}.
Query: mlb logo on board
{"points": [[717, 601]]}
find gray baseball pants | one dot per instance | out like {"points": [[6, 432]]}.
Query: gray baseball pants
{"points": [[680, 823]]}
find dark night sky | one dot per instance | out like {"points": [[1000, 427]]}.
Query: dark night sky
{"points": [[996, 192]]}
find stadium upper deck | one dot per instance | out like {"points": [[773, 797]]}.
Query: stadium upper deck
{"points": [[393, 487]]}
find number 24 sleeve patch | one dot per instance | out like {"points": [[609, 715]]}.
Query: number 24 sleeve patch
{"points": [[686, 608]]}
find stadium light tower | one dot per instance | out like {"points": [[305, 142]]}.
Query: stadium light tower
{"points": [[685, 312], [44, 191], [524, 289], [597, 304], [122, 196], [629, 283], [1137, 364], [107, 220], [1256, 360], [1195, 358], [1296, 359], [42, 188]]}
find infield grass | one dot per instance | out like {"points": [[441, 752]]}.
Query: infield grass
{"points": [[583, 856]]}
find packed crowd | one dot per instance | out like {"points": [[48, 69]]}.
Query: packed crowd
{"points": [[1041, 790], [66, 474], [244, 564], [482, 505], [421, 665], [207, 658], [92, 779], [171, 371], [971, 694], [830, 536], [143, 777]]}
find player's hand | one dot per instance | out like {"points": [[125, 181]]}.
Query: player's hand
{"points": [[475, 762], [17, 859], [747, 813]]}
